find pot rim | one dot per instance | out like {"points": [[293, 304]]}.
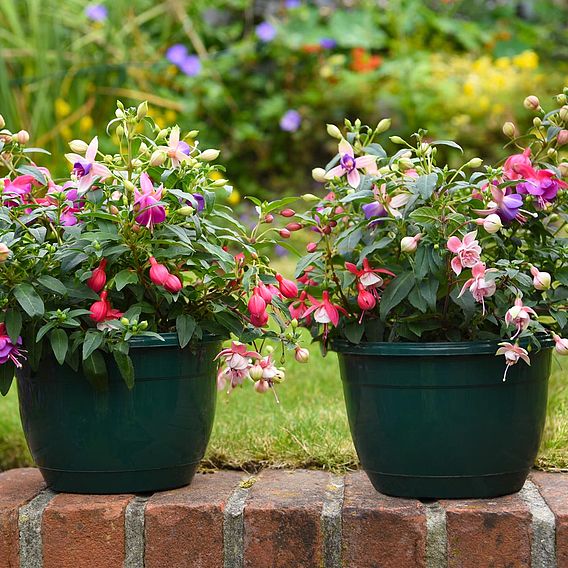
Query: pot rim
{"points": [[170, 340], [439, 348]]}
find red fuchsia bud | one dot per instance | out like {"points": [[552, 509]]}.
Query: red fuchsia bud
{"points": [[294, 226], [257, 304], [159, 274], [311, 247], [173, 284], [98, 278], [301, 354], [366, 300], [100, 308], [259, 321], [261, 386], [562, 137], [269, 218], [265, 292], [287, 212], [333, 223], [326, 230], [285, 233], [287, 288]]}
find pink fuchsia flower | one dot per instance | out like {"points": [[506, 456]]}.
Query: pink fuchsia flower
{"points": [[512, 355], [86, 169], [518, 166], [268, 291], [16, 191], [519, 316], [146, 203], [256, 304], [349, 165], [561, 346], [385, 204], [468, 252], [287, 288], [541, 280], [543, 184], [259, 320], [300, 307], [177, 150], [98, 278], [324, 312], [173, 284], [237, 360], [10, 351], [478, 285], [505, 204], [367, 276], [365, 299], [102, 311]]}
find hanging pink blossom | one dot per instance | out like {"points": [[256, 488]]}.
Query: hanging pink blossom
{"points": [[468, 252]]}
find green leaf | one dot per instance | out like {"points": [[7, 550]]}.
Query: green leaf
{"points": [[354, 332], [125, 277], [185, 326], [230, 322], [93, 340], [13, 321], [59, 343], [395, 292], [449, 143], [53, 284], [28, 298], [348, 240], [426, 185], [95, 370], [7, 371], [426, 215], [126, 368], [305, 261]]}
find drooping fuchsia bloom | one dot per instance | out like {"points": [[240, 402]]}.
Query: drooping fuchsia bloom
{"points": [[518, 166], [479, 287], [365, 299], [468, 252], [561, 347], [178, 151], [102, 311], [349, 165], [505, 204], [256, 304], [15, 191], [158, 272], [287, 288], [300, 307], [367, 276], [512, 355], [86, 169], [385, 204], [324, 312], [541, 280], [237, 360], [10, 351], [98, 278], [260, 320], [146, 203], [519, 316], [267, 291]]}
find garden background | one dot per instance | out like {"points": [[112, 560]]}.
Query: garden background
{"points": [[260, 79]]}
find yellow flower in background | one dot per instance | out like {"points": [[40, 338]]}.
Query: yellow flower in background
{"points": [[468, 89], [526, 60], [234, 198], [66, 133], [502, 63], [170, 116], [215, 175], [86, 123], [62, 108]]}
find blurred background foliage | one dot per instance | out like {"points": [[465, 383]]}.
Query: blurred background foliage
{"points": [[261, 78]]}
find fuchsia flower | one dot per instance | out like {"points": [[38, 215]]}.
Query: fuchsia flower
{"points": [[541, 280], [237, 362], [10, 351], [256, 303], [178, 151], [385, 204], [543, 184], [520, 316], [287, 288], [468, 252], [367, 276], [98, 278], [300, 307], [267, 291], [173, 284], [518, 166], [146, 203], [365, 299], [349, 165], [512, 355], [479, 287], [324, 312], [561, 347], [158, 272], [86, 169], [505, 204], [16, 191], [102, 311]]}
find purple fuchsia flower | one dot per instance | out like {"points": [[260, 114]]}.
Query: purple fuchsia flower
{"points": [[349, 165], [291, 121], [543, 184], [146, 203], [177, 150], [86, 169], [505, 204], [200, 200], [265, 32], [327, 43], [96, 12], [176, 53], [10, 351], [190, 65], [385, 205]]}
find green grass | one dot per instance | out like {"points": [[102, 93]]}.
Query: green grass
{"points": [[307, 429]]}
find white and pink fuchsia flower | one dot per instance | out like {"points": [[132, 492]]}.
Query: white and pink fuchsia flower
{"points": [[479, 286], [177, 150], [512, 355], [237, 360], [350, 165], [519, 316], [86, 169], [468, 252]]}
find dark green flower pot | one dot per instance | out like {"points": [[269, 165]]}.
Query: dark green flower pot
{"points": [[149, 438], [436, 420]]}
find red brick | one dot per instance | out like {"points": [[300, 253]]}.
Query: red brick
{"points": [[283, 520], [82, 531], [17, 487], [381, 531], [184, 527], [554, 488], [488, 533]]}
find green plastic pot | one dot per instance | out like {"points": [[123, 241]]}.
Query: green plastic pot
{"points": [[436, 420], [150, 438]]}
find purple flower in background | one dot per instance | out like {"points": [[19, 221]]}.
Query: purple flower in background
{"points": [[290, 4], [200, 201], [190, 66], [291, 121], [265, 32], [176, 54], [96, 12], [280, 250], [327, 43]]}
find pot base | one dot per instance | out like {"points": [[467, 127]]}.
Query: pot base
{"points": [[448, 487], [115, 482]]}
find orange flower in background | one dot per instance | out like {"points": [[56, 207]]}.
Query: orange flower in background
{"points": [[363, 61]]}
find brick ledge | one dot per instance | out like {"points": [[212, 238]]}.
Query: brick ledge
{"points": [[280, 519]]}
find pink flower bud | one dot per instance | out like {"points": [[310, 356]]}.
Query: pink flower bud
{"points": [[158, 272], [173, 284], [285, 233], [562, 137], [492, 223], [541, 280], [294, 226], [311, 247], [410, 244], [287, 212], [287, 288], [4, 252], [100, 308], [301, 354], [265, 292], [259, 321], [257, 304], [22, 137], [561, 346], [256, 372], [261, 386], [98, 278], [531, 103], [269, 218], [366, 300]]}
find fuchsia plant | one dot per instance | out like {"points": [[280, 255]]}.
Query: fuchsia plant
{"points": [[136, 241], [409, 249]]}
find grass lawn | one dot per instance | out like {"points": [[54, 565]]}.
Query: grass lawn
{"points": [[307, 429]]}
